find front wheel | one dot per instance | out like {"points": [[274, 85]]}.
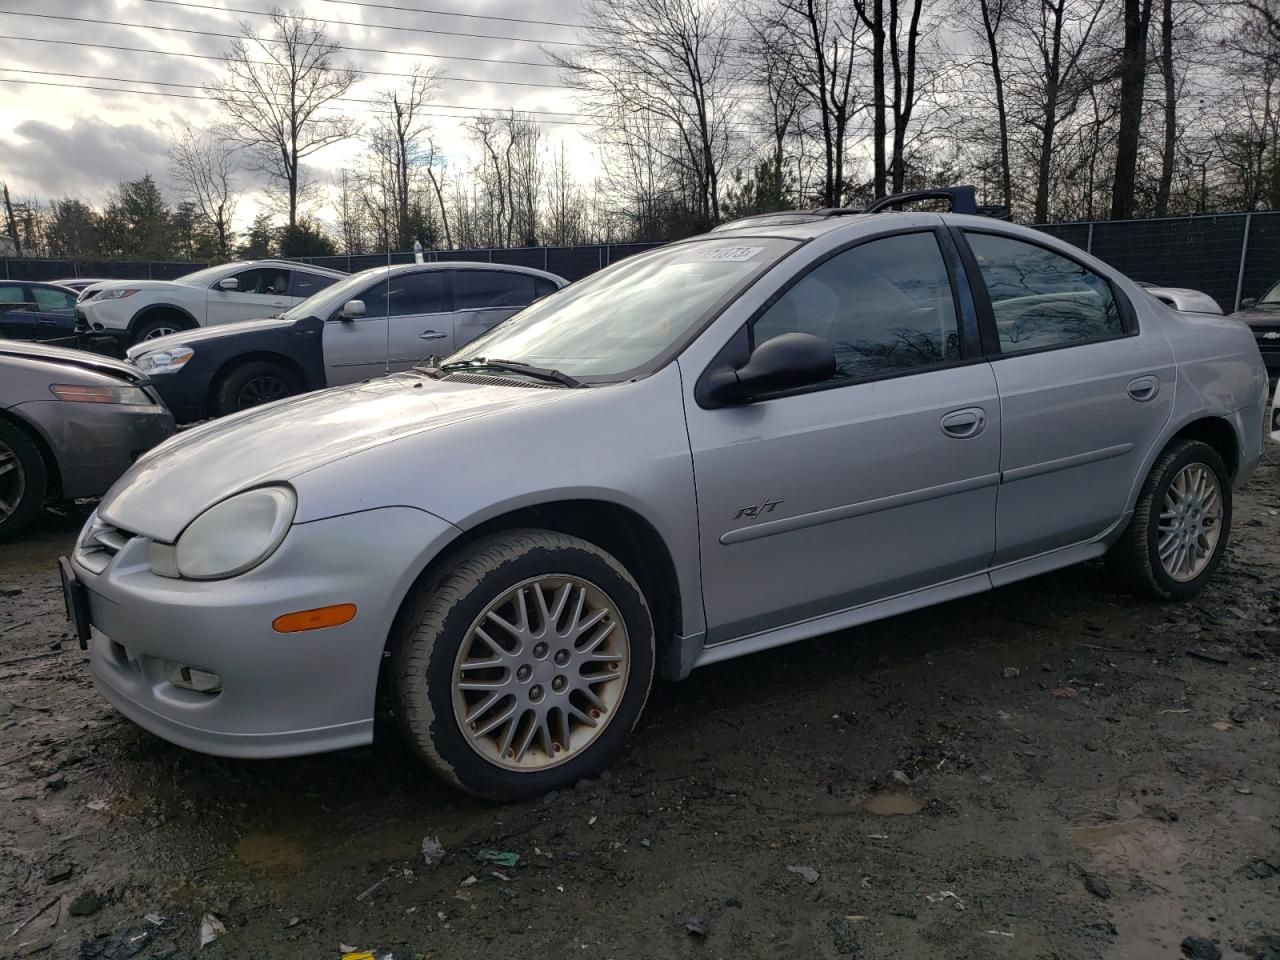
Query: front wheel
{"points": [[157, 326], [253, 384], [1180, 525], [523, 665]]}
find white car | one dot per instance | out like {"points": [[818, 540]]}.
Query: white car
{"points": [[129, 311]]}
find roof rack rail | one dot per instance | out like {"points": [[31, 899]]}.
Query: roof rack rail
{"points": [[964, 199]]}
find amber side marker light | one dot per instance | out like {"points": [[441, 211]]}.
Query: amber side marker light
{"points": [[317, 619]]}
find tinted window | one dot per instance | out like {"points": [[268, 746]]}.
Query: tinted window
{"points": [[1042, 299], [411, 293], [266, 281], [886, 306], [11, 293], [305, 284], [484, 289], [543, 287], [47, 299]]}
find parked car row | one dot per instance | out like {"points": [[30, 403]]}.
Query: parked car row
{"points": [[725, 444]]}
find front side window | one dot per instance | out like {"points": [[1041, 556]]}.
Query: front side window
{"points": [[47, 299], [11, 293], [627, 317], [1272, 296], [886, 306], [264, 281], [491, 289], [1042, 299], [410, 294]]}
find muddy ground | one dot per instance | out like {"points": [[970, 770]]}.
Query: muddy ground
{"points": [[1051, 770]]}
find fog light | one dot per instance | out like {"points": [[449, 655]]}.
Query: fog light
{"points": [[193, 678]]}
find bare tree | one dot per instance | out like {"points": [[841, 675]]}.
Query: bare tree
{"points": [[669, 60], [397, 144], [1133, 78], [279, 92], [987, 21], [203, 167], [11, 221]]}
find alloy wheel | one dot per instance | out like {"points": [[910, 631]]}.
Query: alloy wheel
{"points": [[1190, 522], [13, 481], [541, 672], [260, 390], [155, 332]]}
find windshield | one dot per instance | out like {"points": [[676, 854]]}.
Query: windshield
{"points": [[208, 274], [337, 294], [1272, 295], [621, 319]]}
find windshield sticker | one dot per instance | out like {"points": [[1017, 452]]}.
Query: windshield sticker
{"points": [[721, 255]]}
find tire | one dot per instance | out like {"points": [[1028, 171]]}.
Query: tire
{"points": [[440, 617], [254, 383], [158, 325], [1136, 556], [23, 479]]}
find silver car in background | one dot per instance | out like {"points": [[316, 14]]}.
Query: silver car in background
{"points": [[70, 424], [723, 445]]}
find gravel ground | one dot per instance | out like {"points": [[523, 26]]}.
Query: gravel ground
{"points": [[1050, 770]]}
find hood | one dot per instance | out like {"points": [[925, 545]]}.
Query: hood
{"points": [[188, 338], [177, 481], [1259, 316], [80, 359]]}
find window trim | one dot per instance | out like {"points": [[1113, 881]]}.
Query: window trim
{"points": [[737, 350], [990, 334], [531, 277]]}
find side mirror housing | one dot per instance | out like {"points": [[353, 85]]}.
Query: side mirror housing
{"points": [[783, 363], [228, 283], [352, 309], [1248, 302]]}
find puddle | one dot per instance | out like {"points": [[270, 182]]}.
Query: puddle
{"points": [[264, 851], [891, 804]]}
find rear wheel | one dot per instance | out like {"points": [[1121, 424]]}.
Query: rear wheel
{"points": [[524, 665], [1180, 525], [22, 481], [255, 383]]}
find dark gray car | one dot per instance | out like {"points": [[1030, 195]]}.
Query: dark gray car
{"points": [[70, 424], [1263, 317]]}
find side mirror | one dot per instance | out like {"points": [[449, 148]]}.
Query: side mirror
{"points": [[228, 283], [352, 309], [783, 363], [1248, 302]]}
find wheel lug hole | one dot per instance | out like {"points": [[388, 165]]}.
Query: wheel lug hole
{"points": [[540, 650], [562, 657], [558, 684], [524, 672], [535, 694]]}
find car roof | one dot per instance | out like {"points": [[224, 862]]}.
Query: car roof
{"points": [[286, 264], [399, 268]]}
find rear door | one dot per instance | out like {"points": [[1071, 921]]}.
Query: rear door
{"points": [[876, 483], [260, 292], [1085, 391], [482, 299]]}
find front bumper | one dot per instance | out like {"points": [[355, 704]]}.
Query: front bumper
{"points": [[281, 694], [186, 392], [1269, 345], [94, 443]]}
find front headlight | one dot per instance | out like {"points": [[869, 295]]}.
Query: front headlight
{"points": [[229, 538], [164, 361], [116, 294], [82, 393]]}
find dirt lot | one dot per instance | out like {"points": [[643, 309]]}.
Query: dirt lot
{"points": [[1052, 770]]}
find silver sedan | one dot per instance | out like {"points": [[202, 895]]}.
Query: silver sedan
{"points": [[738, 441]]}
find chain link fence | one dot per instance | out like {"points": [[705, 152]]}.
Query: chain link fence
{"points": [[1228, 256]]}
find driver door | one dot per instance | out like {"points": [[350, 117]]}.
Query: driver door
{"points": [[260, 292]]}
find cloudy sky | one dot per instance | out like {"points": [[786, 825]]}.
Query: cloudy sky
{"points": [[66, 140]]}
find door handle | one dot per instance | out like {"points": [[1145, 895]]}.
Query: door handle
{"points": [[964, 424], [1143, 389], [431, 335], [279, 303]]}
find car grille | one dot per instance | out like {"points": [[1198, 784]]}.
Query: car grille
{"points": [[99, 544]]}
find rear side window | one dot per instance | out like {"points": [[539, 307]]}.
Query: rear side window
{"points": [[491, 289], [11, 293], [305, 284], [885, 305], [1041, 299], [410, 294]]}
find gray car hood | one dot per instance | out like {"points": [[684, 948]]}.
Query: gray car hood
{"points": [[80, 359], [1259, 316], [187, 338], [171, 486]]}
